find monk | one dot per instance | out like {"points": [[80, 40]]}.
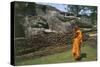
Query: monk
{"points": [[77, 40]]}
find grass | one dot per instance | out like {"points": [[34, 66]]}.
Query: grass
{"points": [[64, 57]]}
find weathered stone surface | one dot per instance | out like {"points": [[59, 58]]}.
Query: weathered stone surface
{"points": [[46, 29]]}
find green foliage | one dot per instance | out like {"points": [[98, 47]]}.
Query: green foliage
{"points": [[75, 9], [94, 18], [90, 11]]}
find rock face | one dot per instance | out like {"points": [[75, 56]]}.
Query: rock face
{"points": [[44, 40], [56, 24], [48, 28], [56, 34]]}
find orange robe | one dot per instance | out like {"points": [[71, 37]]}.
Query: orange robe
{"points": [[76, 48]]}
